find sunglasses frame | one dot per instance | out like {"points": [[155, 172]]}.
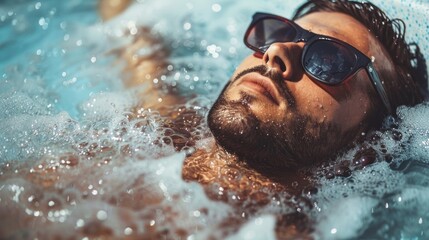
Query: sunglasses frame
{"points": [[302, 35]]}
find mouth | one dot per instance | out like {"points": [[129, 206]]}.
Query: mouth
{"points": [[260, 85]]}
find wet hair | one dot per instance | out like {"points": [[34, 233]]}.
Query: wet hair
{"points": [[408, 85]]}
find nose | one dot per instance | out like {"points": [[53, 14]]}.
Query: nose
{"points": [[285, 58]]}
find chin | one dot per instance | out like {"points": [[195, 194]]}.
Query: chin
{"points": [[238, 131], [291, 143]]}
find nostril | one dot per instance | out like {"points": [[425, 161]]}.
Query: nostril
{"points": [[267, 58], [281, 64]]}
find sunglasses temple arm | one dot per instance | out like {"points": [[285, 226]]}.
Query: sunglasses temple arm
{"points": [[378, 85]]}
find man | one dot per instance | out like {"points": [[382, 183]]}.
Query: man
{"points": [[279, 109], [312, 88], [315, 85]]}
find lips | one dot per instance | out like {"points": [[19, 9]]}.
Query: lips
{"points": [[262, 85]]}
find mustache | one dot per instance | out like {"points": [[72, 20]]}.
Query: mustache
{"points": [[275, 77]]}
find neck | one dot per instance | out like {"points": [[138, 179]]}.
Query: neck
{"points": [[225, 178], [215, 166]]}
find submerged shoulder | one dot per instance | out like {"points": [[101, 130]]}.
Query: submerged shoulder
{"points": [[111, 8]]}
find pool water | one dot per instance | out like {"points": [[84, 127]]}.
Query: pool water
{"points": [[78, 161]]}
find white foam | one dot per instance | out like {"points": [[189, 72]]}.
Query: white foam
{"points": [[346, 206], [345, 218], [129, 176], [106, 105], [261, 227], [415, 130]]}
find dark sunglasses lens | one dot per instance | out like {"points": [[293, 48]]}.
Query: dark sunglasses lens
{"points": [[267, 31], [329, 62]]}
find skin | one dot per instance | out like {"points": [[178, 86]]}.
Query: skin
{"points": [[110, 8], [339, 103], [141, 70], [345, 105], [343, 108]]}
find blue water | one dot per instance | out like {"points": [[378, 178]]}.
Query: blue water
{"points": [[61, 96]]}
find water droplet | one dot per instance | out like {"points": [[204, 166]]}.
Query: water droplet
{"points": [[128, 231], [43, 22], [197, 213], [63, 25], [187, 26], [101, 215], [37, 5], [80, 223], [216, 7], [295, 184]]}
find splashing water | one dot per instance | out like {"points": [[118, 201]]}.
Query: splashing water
{"points": [[79, 161]]}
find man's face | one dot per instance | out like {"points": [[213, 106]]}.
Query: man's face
{"points": [[272, 112]]}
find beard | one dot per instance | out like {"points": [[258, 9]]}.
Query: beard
{"points": [[294, 141]]}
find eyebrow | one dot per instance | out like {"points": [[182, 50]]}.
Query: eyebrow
{"points": [[336, 34], [329, 30]]}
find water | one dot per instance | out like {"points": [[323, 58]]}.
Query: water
{"points": [[78, 161]]}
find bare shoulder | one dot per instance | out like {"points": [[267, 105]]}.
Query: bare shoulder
{"points": [[110, 8], [142, 70]]}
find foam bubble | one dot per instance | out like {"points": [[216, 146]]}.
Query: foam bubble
{"points": [[370, 194], [345, 218], [77, 162], [259, 228]]}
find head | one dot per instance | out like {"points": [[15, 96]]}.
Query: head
{"points": [[274, 112]]}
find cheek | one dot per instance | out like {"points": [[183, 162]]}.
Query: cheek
{"points": [[353, 109], [313, 101], [322, 106]]}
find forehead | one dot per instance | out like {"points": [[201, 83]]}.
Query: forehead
{"points": [[338, 25]]}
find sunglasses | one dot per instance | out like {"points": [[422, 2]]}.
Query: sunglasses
{"points": [[325, 59]]}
